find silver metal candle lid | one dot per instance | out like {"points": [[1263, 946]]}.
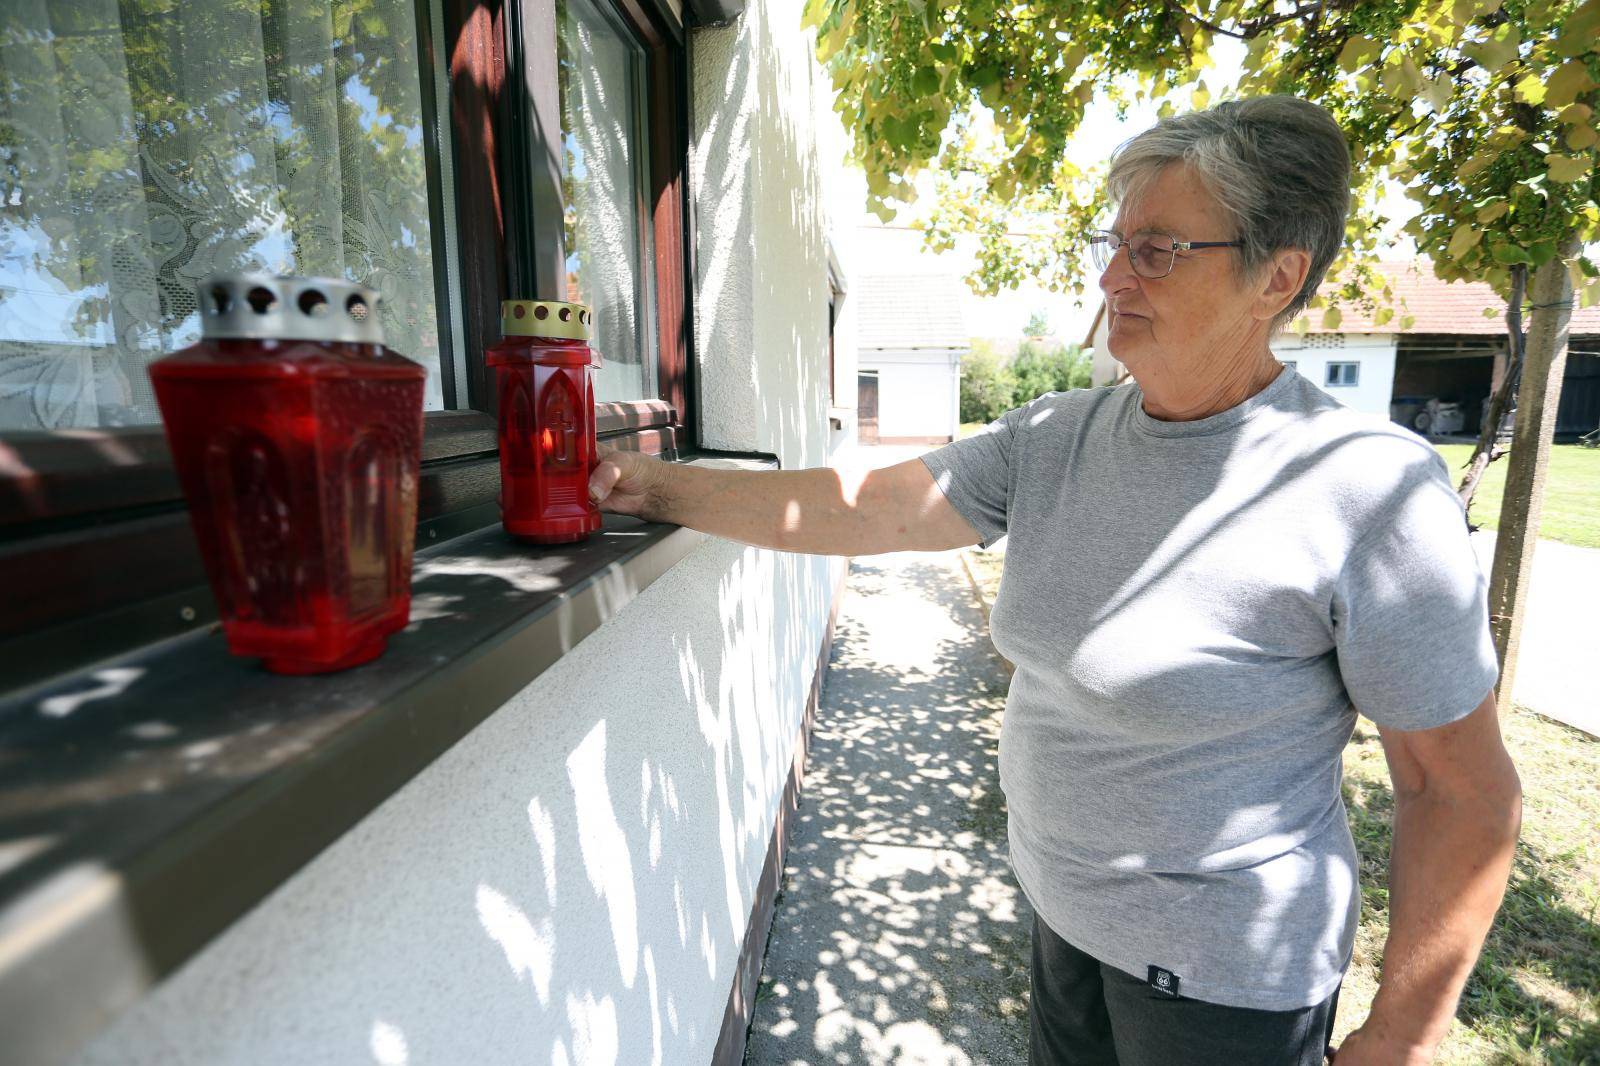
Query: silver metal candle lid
{"points": [[268, 307]]}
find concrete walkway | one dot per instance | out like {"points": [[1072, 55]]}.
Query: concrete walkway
{"points": [[1557, 672], [900, 935]]}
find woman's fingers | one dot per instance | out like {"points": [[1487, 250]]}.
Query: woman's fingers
{"points": [[604, 479]]}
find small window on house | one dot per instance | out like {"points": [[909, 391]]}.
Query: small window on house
{"points": [[1340, 374]]}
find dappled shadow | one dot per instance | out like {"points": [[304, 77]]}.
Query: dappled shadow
{"points": [[1541, 957], [901, 934]]}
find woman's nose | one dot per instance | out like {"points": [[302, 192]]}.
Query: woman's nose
{"points": [[1118, 276]]}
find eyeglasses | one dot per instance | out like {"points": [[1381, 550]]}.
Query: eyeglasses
{"points": [[1151, 254]]}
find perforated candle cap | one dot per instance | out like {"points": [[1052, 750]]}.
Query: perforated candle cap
{"points": [[275, 307], [546, 318]]}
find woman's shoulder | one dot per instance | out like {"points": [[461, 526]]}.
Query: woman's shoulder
{"points": [[1360, 454]]}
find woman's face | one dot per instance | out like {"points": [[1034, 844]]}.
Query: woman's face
{"points": [[1201, 318]]}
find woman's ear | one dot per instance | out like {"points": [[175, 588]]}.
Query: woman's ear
{"points": [[1281, 282]]}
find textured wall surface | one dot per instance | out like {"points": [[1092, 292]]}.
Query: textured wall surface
{"points": [[571, 882], [760, 336]]}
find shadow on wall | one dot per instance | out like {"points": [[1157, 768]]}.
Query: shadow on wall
{"points": [[628, 916], [762, 291]]}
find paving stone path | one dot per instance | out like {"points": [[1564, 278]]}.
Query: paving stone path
{"points": [[900, 934]]}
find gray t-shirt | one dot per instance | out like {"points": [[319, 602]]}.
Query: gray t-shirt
{"points": [[1196, 611]]}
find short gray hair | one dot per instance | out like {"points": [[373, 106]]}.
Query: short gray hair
{"points": [[1278, 165]]}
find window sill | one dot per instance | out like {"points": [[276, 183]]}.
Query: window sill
{"points": [[151, 800]]}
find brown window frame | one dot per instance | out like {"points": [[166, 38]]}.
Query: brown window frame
{"points": [[507, 120], [96, 553]]}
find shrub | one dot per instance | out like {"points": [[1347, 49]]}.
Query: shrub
{"points": [[987, 386], [991, 385], [1039, 369]]}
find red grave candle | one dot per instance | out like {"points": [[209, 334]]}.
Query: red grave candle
{"points": [[544, 385], [297, 438]]}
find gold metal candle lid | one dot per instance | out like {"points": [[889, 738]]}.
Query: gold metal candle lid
{"points": [[545, 318]]}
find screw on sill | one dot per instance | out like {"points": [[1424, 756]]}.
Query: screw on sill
{"points": [[186, 613]]}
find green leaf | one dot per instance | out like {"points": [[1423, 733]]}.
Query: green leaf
{"points": [[1331, 318], [1508, 254], [1464, 239], [1531, 90], [1439, 90], [1383, 316], [1567, 168], [1581, 137], [985, 76], [1570, 79], [1575, 114], [925, 82], [1407, 321], [1499, 49], [1492, 211], [1357, 53], [1584, 22]]}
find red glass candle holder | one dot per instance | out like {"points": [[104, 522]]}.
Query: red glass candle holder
{"points": [[544, 383], [297, 437]]}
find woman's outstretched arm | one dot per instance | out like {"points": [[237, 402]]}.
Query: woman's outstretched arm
{"points": [[818, 512]]}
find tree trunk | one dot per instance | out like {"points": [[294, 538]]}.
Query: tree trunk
{"points": [[1487, 450], [1543, 366]]}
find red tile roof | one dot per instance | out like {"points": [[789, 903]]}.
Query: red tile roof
{"points": [[1440, 307]]}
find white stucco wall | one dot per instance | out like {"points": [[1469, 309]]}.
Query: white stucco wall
{"points": [[1374, 352], [761, 231], [571, 882], [918, 392]]}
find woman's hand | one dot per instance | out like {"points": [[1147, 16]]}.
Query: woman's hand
{"points": [[627, 483]]}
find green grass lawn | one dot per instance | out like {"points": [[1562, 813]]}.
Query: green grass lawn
{"points": [[1571, 493], [1535, 994]]}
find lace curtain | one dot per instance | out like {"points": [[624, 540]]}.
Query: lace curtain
{"points": [[601, 77], [145, 144]]}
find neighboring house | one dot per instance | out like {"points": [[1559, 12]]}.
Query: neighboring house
{"points": [[911, 336], [547, 825], [1450, 351]]}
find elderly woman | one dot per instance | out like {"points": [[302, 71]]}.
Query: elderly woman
{"points": [[1211, 570]]}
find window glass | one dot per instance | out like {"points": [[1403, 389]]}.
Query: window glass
{"points": [[1342, 373], [145, 145], [604, 172]]}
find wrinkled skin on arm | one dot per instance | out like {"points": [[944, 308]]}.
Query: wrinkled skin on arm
{"points": [[1458, 809], [822, 511]]}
